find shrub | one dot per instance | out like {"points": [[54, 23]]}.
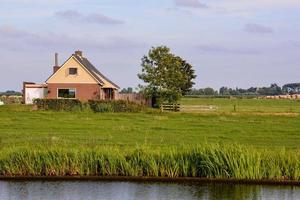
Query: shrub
{"points": [[115, 106], [59, 104], [11, 99], [96, 106]]}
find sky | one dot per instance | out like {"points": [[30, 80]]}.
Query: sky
{"points": [[230, 43]]}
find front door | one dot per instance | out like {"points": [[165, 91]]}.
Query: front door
{"points": [[108, 94]]}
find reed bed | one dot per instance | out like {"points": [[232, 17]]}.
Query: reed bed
{"points": [[207, 161]]}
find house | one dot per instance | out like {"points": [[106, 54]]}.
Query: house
{"points": [[76, 78]]}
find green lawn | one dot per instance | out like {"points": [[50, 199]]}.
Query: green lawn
{"points": [[19, 126], [247, 105]]}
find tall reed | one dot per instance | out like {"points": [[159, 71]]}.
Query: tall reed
{"points": [[209, 161]]}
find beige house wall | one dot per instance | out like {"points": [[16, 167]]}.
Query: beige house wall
{"points": [[62, 75], [107, 84]]}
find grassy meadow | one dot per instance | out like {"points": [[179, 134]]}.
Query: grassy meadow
{"points": [[225, 105], [260, 139]]}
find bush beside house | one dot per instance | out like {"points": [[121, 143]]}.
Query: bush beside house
{"points": [[58, 104], [115, 106], [96, 106], [10, 99]]}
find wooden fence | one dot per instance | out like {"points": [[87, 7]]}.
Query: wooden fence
{"points": [[136, 98], [187, 108], [170, 107], [198, 108]]}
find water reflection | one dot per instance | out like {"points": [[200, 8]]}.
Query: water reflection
{"points": [[123, 190]]}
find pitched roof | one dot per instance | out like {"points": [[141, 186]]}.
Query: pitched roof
{"points": [[93, 70]]}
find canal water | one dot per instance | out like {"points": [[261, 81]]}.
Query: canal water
{"points": [[89, 190]]}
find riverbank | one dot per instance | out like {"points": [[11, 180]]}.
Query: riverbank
{"points": [[223, 162], [151, 180]]}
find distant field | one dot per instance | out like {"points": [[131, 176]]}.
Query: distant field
{"points": [[246, 105], [19, 126]]}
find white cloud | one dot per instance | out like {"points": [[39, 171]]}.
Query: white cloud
{"points": [[190, 3], [75, 16], [255, 4], [257, 28], [21, 39], [217, 49]]}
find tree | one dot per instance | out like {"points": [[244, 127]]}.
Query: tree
{"points": [[209, 91], [252, 90], [224, 91], [167, 76], [293, 88], [274, 89], [128, 90], [11, 93], [189, 75]]}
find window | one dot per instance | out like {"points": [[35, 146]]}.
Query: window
{"points": [[67, 93], [109, 94], [72, 71]]}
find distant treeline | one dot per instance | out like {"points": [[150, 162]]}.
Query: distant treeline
{"points": [[11, 93], [273, 89], [128, 90]]}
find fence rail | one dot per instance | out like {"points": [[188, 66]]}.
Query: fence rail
{"points": [[170, 107], [198, 108], [137, 98]]}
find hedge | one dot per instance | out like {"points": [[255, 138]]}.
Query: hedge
{"points": [[59, 104], [96, 106], [114, 106]]}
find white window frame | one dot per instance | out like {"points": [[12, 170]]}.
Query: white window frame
{"points": [[66, 89]]}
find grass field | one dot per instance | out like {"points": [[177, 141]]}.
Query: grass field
{"points": [[19, 126], [270, 106], [259, 140]]}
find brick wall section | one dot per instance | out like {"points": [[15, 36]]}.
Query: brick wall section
{"points": [[84, 92]]}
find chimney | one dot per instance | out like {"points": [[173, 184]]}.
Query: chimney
{"points": [[56, 67], [78, 53], [56, 59]]}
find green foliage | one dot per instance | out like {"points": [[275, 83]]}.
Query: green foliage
{"points": [[274, 89], [128, 90], [203, 92], [11, 99], [11, 93], [96, 106], [293, 88], [59, 104], [208, 161], [114, 106], [167, 76]]}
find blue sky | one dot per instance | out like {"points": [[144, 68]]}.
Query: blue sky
{"points": [[231, 43]]}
